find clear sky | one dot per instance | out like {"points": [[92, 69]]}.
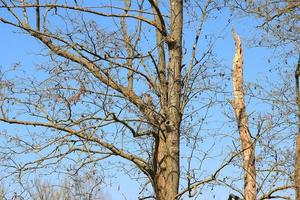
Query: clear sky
{"points": [[17, 47]]}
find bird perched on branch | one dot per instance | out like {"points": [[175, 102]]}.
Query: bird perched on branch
{"points": [[149, 100], [150, 106], [76, 97]]}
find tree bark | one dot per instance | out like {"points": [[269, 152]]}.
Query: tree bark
{"points": [[297, 159], [248, 148], [167, 168]]}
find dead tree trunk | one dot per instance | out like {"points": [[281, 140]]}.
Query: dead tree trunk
{"points": [[297, 159], [238, 104]]}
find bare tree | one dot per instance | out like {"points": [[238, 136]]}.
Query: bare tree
{"points": [[83, 188], [278, 20], [279, 30], [123, 86], [3, 192], [110, 92], [268, 164]]}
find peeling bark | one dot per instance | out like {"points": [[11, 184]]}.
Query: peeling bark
{"points": [[239, 107]]}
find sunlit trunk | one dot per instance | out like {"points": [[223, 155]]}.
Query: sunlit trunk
{"points": [[167, 166], [248, 148]]}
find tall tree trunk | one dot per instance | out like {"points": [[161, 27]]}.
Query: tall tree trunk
{"points": [[297, 159], [248, 148], [167, 168]]}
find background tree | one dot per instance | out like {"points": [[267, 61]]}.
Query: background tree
{"points": [[279, 26], [84, 188], [278, 19]]}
